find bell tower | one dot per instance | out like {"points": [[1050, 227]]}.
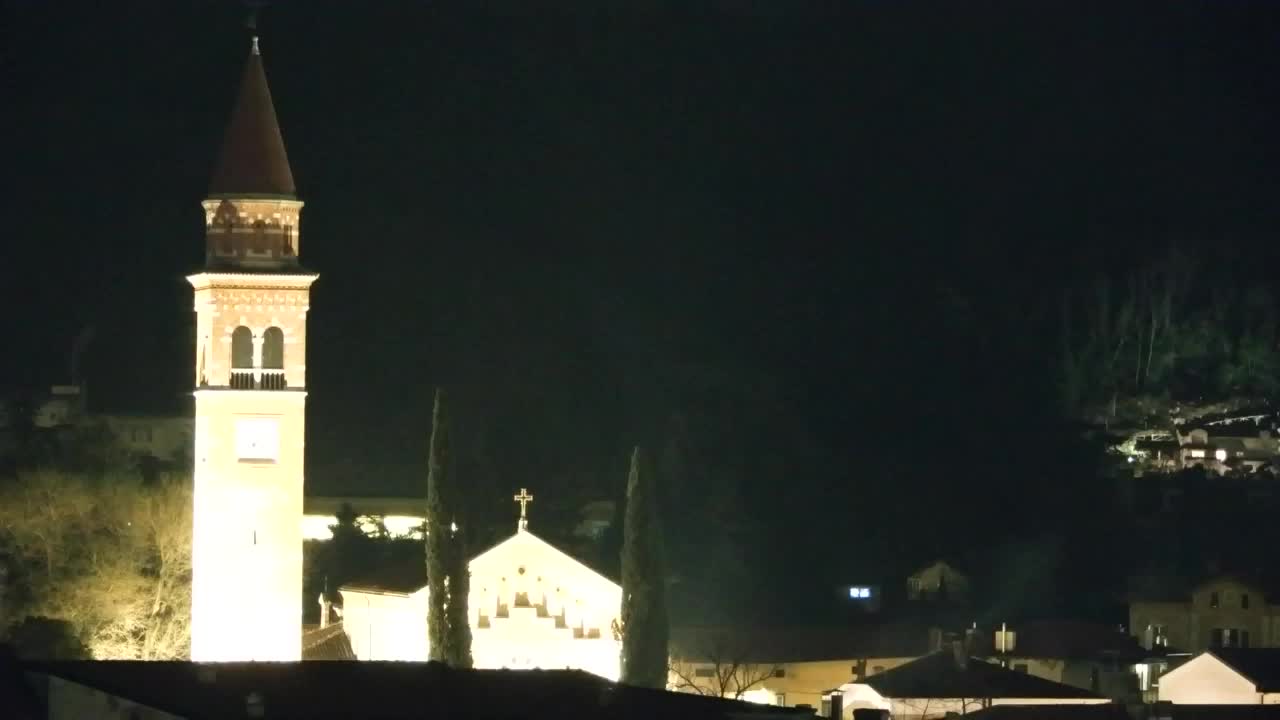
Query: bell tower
{"points": [[251, 301]]}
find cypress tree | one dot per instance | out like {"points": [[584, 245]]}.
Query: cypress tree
{"points": [[644, 601], [458, 653], [437, 534], [448, 579]]}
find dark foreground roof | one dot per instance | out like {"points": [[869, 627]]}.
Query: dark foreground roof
{"points": [[1108, 711], [1261, 665], [386, 691], [939, 675]]}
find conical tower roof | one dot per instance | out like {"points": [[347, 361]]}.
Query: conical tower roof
{"points": [[253, 161]]}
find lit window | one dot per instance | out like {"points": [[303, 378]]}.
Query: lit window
{"points": [[1197, 453], [860, 593], [258, 439]]}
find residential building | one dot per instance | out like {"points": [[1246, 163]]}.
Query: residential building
{"points": [[951, 681], [1218, 613], [162, 437], [790, 665], [1099, 658], [938, 580]]}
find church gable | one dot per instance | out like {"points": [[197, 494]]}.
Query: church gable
{"points": [[526, 563], [534, 606]]}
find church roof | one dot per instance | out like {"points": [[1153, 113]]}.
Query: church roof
{"points": [[253, 160], [408, 574]]}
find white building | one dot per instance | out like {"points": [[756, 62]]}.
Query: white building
{"points": [[1225, 676], [951, 682], [531, 606]]}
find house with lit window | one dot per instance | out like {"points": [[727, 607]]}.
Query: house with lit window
{"points": [[1234, 448], [1224, 612]]}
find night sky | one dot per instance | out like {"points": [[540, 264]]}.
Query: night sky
{"points": [[831, 235]]}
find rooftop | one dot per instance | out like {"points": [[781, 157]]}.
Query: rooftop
{"points": [[253, 161], [320, 690], [939, 675], [1261, 665]]}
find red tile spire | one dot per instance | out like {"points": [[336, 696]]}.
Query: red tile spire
{"points": [[253, 162]]}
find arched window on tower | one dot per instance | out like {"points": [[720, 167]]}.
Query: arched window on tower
{"points": [[224, 221], [273, 359], [242, 358], [259, 237]]}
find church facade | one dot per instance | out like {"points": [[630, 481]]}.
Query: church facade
{"points": [[531, 606], [251, 302]]}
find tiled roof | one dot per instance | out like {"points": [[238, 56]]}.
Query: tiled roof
{"points": [[939, 675], [253, 160], [1260, 665], [1106, 711], [329, 643], [387, 691]]}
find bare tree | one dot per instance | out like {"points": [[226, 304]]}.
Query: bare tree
{"points": [[110, 556], [719, 665]]}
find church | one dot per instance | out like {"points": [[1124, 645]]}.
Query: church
{"points": [[531, 605]]}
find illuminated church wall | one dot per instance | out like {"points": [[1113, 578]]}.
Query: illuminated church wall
{"points": [[531, 606]]}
